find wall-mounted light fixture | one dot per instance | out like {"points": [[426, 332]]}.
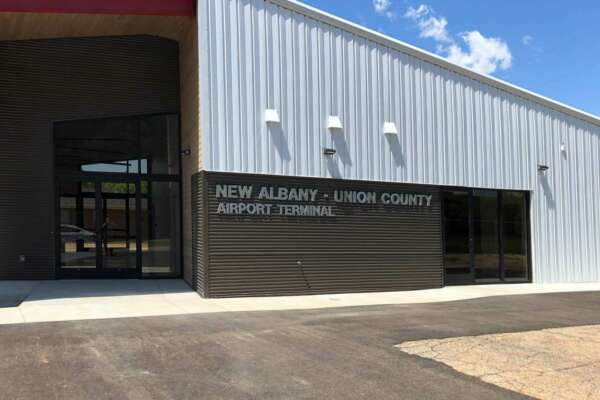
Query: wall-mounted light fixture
{"points": [[543, 168], [186, 152], [334, 123], [563, 147], [272, 117], [389, 128], [329, 152]]}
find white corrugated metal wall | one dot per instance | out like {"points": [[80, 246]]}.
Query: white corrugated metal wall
{"points": [[453, 130]]}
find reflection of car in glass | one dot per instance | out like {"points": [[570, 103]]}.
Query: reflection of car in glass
{"points": [[72, 233]]}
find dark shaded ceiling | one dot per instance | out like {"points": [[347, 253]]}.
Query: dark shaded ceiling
{"points": [[120, 7]]}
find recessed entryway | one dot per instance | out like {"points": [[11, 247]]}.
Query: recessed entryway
{"points": [[118, 197]]}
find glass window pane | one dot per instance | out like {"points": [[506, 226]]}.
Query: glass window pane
{"points": [[97, 145], [88, 187], [160, 144], [485, 234], [77, 229], [118, 188], [160, 234], [515, 235], [116, 167], [118, 247], [456, 225]]}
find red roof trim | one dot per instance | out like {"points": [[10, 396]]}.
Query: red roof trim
{"points": [[119, 7]]}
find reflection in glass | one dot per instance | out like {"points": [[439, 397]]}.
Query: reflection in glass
{"points": [[77, 228], [159, 140], [88, 187], [127, 188], [477, 245], [115, 167], [456, 224], [160, 229], [485, 234], [129, 145], [108, 145], [100, 224], [118, 246], [514, 235]]}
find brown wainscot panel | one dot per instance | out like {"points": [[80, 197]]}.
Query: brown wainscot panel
{"points": [[274, 235]]}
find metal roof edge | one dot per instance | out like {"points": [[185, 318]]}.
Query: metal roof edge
{"points": [[399, 45]]}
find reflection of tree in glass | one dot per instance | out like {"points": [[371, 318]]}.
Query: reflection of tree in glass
{"points": [[118, 187], [123, 187], [88, 187]]}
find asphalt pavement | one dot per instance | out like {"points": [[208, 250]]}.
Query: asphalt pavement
{"points": [[341, 353]]}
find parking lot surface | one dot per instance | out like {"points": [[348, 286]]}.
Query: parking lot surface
{"points": [[341, 353]]}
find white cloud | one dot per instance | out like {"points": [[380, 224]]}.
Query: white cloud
{"points": [[383, 7], [417, 13], [482, 54], [431, 26], [526, 40]]}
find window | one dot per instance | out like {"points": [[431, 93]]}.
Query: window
{"points": [[130, 145], [514, 235], [485, 236], [457, 255], [486, 246]]}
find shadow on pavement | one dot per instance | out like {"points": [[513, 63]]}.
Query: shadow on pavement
{"points": [[14, 293], [11, 300]]}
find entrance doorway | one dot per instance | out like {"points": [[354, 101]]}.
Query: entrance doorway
{"points": [[118, 198], [486, 236], [98, 228]]}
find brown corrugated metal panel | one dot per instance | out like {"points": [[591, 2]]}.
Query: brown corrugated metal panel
{"points": [[195, 277], [44, 81], [371, 247], [190, 138]]}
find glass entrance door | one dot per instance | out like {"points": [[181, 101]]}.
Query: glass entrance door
{"points": [[78, 215], [118, 231], [98, 224]]}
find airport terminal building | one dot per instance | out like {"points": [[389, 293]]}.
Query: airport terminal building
{"points": [[263, 147]]}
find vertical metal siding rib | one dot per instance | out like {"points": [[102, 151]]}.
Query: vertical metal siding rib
{"points": [[453, 130]]}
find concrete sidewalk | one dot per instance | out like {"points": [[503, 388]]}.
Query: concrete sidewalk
{"points": [[66, 300]]}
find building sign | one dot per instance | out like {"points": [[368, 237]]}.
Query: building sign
{"points": [[305, 202]]}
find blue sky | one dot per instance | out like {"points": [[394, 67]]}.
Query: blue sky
{"points": [[549, 47]]}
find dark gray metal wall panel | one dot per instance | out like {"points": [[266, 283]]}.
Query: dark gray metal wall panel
{"points": [[363, 248], [195, 277], [43, 81]]}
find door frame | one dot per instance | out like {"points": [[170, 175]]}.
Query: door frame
{"points": [[99, 272]]}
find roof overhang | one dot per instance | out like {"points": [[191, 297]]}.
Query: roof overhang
{"points": [[114, 7]]}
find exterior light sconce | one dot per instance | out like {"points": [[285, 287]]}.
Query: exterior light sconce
{"points": [[543, 168], [334, 123], [389, 128], [563, 148], [329, 152], [272, 117]]}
